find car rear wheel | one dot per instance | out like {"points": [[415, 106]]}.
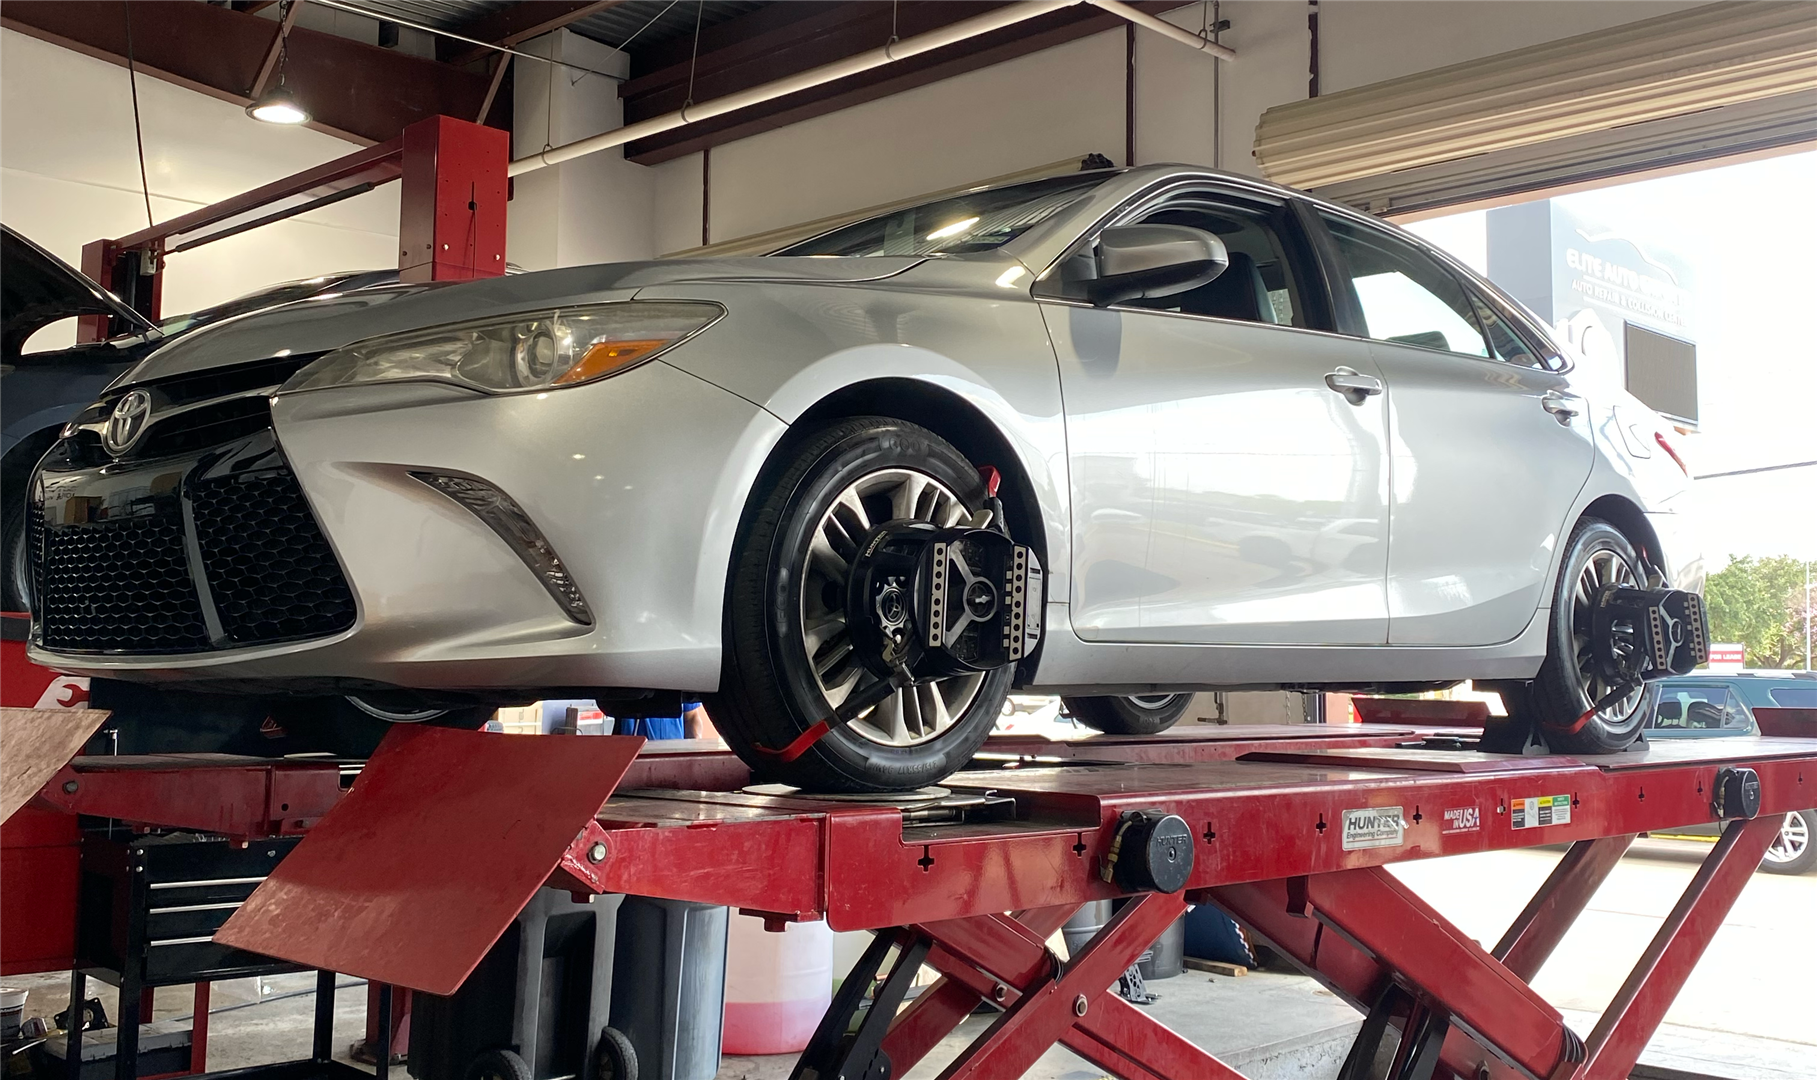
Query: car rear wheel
{"points": [[790, 660], [1569, 682], [1792, 851], [1136, 714]]}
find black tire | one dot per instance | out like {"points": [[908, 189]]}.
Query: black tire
{"points": [[497, 1065], [17, 582], [352, 729], [769, 692], [1144, 714], [1795, 849], [1560, 694], [615, 1058]]}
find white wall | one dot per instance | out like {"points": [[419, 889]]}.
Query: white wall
{"points": [[1017, 115], [1069, 100], [69, 174], [590, 210]]}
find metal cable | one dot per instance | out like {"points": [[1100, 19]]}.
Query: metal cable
{"points": [[694, 57], [646, 26], [138, 132], [357, 10]]}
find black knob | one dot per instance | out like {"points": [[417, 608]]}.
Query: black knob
{"points": [[1737, 793], [1152, 853]]}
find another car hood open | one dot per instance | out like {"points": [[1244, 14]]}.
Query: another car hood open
{"points": [[329, 322], [37, 289]]}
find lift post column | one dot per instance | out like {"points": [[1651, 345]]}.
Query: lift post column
{"points": [[452, 208]]}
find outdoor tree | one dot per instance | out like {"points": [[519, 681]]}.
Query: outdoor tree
{"points": [[1761, 603]]}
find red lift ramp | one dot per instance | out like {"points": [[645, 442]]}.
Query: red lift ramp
{"points": [[437, 847], [34, 744]]}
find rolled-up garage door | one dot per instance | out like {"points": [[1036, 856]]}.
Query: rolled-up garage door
{"points": [[1559, 111]]}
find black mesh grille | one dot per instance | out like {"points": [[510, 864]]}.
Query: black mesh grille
{"points": [[120, 585], [204, 427], [34, 539], [270, 570]]}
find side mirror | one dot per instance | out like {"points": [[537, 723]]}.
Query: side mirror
{"points": [[1147, 261]]}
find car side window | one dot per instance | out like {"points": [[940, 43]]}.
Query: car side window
{"points": [[1257, 286], [1696, 708], [1794, 697], [1405, 297], [1504, 343]]}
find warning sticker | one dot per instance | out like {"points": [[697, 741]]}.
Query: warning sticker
{"points": [[1463, 819], [1373, 827], [1542, 811]]}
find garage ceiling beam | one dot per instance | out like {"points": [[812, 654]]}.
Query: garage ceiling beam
{"points": [[356, 91], [516, 23], [782, 40]]}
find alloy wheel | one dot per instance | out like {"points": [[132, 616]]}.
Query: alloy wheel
{"points": [[908, 717], [1604, 567], [1794, 840]]}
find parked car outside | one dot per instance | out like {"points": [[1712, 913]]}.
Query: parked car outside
{"points": [[1120, 434], [41, 391], [1706, 705]]}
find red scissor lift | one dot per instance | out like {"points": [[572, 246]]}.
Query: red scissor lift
{"points": [[411, 876], [416, 871]]}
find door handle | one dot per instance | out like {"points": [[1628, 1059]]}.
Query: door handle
{"points": [[1560, 405], [1353, 384]]}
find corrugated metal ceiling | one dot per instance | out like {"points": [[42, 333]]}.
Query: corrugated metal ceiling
{"points": [[640, 22]]}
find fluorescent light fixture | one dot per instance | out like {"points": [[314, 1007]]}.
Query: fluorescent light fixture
{"points": [[278, 106], [954, 229]]}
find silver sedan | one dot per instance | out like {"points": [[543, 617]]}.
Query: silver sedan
{"points": [[1119, 435]]}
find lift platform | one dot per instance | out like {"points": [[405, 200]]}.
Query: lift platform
{"points": [[413, 873]]}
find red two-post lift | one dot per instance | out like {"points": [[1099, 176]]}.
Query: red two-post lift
{"points": [[412, 876]]}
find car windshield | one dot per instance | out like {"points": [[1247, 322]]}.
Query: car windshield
{"points": [[977, 221]]}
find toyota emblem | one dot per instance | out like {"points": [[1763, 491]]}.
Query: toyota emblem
{"points": [[126, 423]]}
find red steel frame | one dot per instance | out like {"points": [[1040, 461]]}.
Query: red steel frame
{"points": [[441, 827], [451, 215]]}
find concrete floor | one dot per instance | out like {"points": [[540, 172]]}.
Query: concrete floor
{"points": [[1744, 1014]]}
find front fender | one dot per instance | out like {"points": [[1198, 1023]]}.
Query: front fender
{"points": [[788, 348]]}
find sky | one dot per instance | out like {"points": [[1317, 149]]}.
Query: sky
{"points": [[1749, 232]]}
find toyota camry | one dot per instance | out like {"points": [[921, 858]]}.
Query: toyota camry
{"points": [[1119, 435]]}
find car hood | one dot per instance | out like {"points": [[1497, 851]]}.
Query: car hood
{"points": [[37, 289], [328, 322]]}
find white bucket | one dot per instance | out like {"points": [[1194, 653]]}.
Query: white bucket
{"points": [[12, 1010], [777, 985]]}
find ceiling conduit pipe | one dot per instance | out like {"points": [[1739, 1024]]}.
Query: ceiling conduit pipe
{"points": [[1008, 15], [1164, 28]]}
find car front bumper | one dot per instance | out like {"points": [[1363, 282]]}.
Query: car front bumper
{"points": [[637, 482]]}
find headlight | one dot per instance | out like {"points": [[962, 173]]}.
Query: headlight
{"points": [[536, 351]]}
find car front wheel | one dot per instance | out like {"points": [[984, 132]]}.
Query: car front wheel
{"points": [[791, 658], [17, 579]]}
